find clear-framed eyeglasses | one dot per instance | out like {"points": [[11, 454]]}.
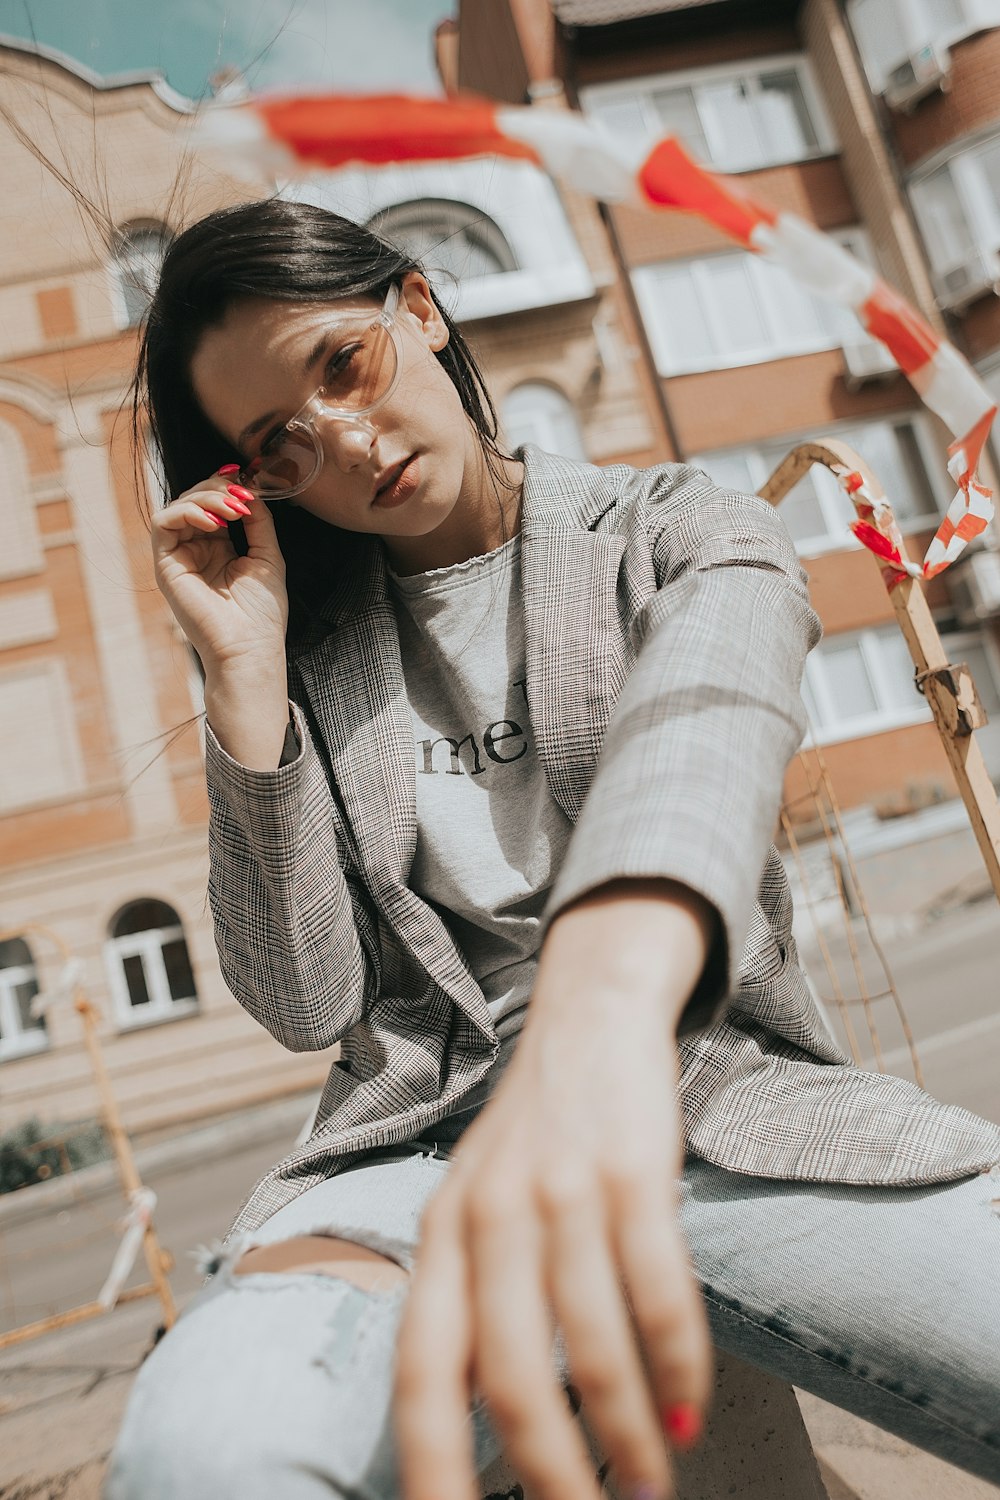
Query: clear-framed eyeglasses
{"points": [[362, 373]]}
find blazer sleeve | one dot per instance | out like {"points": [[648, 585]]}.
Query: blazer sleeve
{"points": [[296, 934], [689, 781]]}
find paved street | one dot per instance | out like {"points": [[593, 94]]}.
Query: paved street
{"points": [[948, 978], [61, 1396]]}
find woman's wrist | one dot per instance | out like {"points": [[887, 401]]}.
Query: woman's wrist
{"points": [[247, 709], [638, 939]]}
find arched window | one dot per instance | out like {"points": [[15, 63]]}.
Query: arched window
{"points": [[138, 254], [20, 539], [444, 235], [148, 964], [20, 1032], [539, 413]]}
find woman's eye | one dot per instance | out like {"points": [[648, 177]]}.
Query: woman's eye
{"points": [[341, 361]]}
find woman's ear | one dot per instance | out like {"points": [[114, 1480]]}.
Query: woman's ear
{"points": [[418, 300]]}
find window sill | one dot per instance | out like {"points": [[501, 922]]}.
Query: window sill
{"points": [[23, 1046], [521, 291], [866, 729], [179, 1011], [823, 153], [827, 345]]}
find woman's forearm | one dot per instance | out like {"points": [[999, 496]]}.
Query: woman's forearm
{"points": [[642, 938], [246, 704]]}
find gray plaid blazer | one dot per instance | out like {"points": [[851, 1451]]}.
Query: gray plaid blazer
{"points": [[666, 622]]}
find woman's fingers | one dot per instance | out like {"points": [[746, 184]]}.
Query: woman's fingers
{"points": [[514, 1366], [433, 1358], [182, 520], [604, 1360], [666, 1305]]}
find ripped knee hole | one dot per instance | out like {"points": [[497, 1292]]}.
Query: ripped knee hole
{"points": [[327, 1255]]}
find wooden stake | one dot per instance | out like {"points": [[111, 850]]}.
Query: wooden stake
{"points": [[158, 1260], [947, 686]]}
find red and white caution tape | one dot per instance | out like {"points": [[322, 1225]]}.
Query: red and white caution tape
{"points": [[134, 1225], [296, 135]]}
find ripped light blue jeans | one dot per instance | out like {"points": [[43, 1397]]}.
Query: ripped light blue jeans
{"points": [[277, 1385]]}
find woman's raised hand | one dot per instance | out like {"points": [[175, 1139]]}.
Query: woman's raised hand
{"points": [[560, 1207], [231, 608]]}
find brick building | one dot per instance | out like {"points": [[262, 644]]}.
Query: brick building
{"points": [[102, 839], [606, 334], [879, 120]]}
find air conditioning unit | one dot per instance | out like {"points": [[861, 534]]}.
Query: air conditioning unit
{"points": [[974, 585], [921, 73], [866, 361], [965, 282]]}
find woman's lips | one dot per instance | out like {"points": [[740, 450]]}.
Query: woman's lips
{"points": [[401, 487]]}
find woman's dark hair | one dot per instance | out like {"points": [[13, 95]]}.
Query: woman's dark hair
{"points": [[292, 252]]}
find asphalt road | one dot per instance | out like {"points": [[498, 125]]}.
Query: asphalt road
{"points": [[61, 1261], [948, 981]]}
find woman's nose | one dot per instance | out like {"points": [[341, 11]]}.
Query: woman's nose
{"points": [[348, 442]]}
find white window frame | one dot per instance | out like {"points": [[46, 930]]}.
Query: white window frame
{"points": [[560, 412], [885, 719], [853, 238], [148, 946], [21, 552], [915, 33], [980, 212], [520, 199], [640, 89], [123, 319], [837, 538], [15, 1041]]}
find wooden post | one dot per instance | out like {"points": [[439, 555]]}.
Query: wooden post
{"points": [[947, 686], [158, 1260]]}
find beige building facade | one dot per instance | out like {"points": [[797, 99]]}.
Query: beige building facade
{"points": [[102, 801]]}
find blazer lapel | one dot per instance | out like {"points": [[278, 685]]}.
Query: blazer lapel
{"points": [[577, 654], [355, 681], [354, 678]]}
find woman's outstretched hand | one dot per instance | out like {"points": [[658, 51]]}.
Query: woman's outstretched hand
{"points": [[229, 607], [560, 1208]]}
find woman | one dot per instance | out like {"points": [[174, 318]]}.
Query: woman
{"points": [[483, 729]]}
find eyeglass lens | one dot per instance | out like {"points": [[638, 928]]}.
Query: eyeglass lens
{"points": [[359, 374]]}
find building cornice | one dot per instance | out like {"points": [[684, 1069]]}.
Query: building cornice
{"points": [[139, 77]]}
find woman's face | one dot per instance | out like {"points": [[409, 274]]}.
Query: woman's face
{"points": [[413, 473]]}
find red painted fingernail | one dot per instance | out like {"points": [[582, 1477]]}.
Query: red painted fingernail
{"points": [[219, 521], [240, 508], [238, 492], [229, 469], [682, 1424]]}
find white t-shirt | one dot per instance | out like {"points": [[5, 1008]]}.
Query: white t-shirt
{"points": [[490, 836]]}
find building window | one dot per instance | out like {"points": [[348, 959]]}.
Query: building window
{"points": [[957, 205], [725, 310], [20, 1032], [138, 254], [863, 683], [816, 511], [890, 31], [541, 414], [446, 237], [148, 964], [860, 684], [20, 540], [766, 113]]}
